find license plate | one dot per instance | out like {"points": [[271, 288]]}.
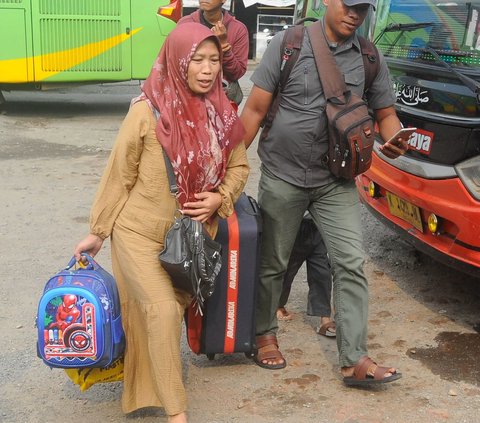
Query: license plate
{"points": [[405, 210]]}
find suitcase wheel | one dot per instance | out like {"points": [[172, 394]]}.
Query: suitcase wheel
{"points": [[250, 354], [211, 356]]}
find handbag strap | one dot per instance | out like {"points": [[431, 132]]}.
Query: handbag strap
{"points": [[330, 76], [172, 182]]}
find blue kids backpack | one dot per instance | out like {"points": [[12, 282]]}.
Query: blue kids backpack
{"points": [[79, 323]]}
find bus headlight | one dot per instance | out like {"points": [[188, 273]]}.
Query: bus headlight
{"points": [[469, 173]]}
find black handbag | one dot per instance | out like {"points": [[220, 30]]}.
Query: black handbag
{"points": [[190, 256], [234, 91]]}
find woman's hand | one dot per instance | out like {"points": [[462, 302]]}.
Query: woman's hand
{"points": [[201, 210], [91, 245]]}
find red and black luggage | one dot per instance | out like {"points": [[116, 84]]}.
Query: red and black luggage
{"points": [[228, 322]]}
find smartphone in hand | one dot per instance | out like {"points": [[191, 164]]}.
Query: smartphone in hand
{"points": [[403, 133]]}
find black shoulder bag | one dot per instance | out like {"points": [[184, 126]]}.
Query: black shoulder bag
{"points": [[190, 256]]}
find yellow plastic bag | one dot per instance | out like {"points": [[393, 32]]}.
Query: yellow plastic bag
{"points": [[88, 376]]}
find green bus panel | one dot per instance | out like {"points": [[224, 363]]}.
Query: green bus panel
{"points": [[81, 40], [147, 42], [16, 64]]}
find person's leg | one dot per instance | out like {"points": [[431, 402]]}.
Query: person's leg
{"points": [[282, 206], [152, 315], [319, 276], [299, 254], [336, 211]]}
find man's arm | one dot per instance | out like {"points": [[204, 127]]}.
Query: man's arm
{"points": [[389, 124], [254, 111]]}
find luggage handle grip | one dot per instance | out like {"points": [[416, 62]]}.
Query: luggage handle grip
{"points": [[86, 262], [254, 205]]}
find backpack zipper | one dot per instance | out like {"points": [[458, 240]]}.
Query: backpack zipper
{"points": [[357, 162]]}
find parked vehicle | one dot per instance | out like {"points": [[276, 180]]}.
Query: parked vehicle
{"points": [[431, 196], [47, 44]]}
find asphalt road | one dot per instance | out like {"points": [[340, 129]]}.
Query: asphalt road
{"points": [[424, 317]]}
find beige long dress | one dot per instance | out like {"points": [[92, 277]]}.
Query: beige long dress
{"points": [[133, 205]]}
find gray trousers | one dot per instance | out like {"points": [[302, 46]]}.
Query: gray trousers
{"points": [[335, 210]]}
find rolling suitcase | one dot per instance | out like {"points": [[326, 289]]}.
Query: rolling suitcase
{"points": [[228, 322]]}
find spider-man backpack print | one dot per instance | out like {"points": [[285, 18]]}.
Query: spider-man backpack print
{"points": [[78, 320]]}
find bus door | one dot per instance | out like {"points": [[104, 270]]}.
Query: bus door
{"points": [[76, 41], [16, 64]]}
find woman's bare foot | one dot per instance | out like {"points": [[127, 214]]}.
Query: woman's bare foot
{"points": [[178, 418]]}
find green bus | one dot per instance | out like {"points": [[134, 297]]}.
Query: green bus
{"points": [[51, 43]]}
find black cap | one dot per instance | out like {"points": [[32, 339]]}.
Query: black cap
{"points": [[357, 2]]}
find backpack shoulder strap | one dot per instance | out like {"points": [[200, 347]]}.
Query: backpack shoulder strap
{"points": [[330, 75], [370, 61], [289, 52]]}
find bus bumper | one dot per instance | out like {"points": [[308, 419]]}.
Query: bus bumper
{"points": [[404, 202]]}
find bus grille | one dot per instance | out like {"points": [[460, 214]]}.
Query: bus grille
{"points": [[69, 38], [80, 7]]}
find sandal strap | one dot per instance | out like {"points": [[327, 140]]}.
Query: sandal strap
{"points": [[379, 373], [329, 325], [361, 368], [264, 340], [364, 364], [270, 355]]}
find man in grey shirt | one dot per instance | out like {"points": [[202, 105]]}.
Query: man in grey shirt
{"points": [[294, 179]]}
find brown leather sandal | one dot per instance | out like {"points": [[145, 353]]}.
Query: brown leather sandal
{"points": [[327, 329], [361, 376], [263, 341]]}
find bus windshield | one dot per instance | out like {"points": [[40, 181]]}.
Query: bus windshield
{"points": [[411, 29]]}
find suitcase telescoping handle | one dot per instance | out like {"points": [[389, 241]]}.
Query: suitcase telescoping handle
{"points": [[254, 205], [86, 262]]}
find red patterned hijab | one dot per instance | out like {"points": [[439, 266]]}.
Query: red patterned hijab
{"points": [[197, 132]]}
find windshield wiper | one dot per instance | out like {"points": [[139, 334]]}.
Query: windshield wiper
{"points": [[406, 27], [470, 83]]}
